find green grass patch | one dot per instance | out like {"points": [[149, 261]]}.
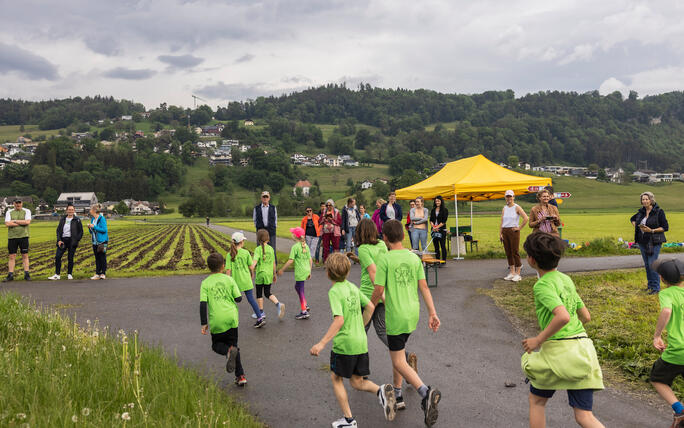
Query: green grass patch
{"points": [[12, 132]]}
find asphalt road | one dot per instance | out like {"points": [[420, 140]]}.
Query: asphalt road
{"points": [[469, 359]]}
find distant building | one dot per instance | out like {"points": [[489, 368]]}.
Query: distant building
{"points": [[78, 136], [23, 140], [213, 129], [249, 122], [305, 185], [366, 185], [141, 208], [656, 120], [127, 117], [82, 201]]}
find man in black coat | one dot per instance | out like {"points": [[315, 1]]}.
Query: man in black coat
{"points": [[265, 216], [69, 233]]}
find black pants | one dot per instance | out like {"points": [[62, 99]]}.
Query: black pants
{"points": [[70, 250], [440, 247], [100, 260], [221, 343]]}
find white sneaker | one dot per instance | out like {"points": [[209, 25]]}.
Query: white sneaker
{"points": [[509, 277], [387, 401], [95, 277], [342, 422], [103, 277], [54, 277], [516, 278], [70, 276]]}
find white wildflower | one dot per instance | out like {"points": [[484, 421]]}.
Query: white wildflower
{"points": [[63, 348], [74, 419], [125, 416], [131, 405], [21, 416], [85, 411]]}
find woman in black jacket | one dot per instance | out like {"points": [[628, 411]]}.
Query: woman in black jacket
{"points": [[69, 233], [650, 226], [438, 220]]}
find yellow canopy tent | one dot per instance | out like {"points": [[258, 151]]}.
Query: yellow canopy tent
{"points": [[472, 179]]}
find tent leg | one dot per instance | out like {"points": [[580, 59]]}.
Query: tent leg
{"points": [[458, 244], [471, 218]]}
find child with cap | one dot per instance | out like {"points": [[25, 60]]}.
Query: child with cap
{"points": [[239, 266], [671, 363], [300, 255]]}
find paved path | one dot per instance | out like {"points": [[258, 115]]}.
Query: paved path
{"points": [[282, 244], [470, 358]]}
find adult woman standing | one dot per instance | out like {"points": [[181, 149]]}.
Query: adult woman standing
{"points": [[650, 225], [390, 210], [376, 216], [363, 213], [412, 205], [312, 227], [419, 221], [331, 224], [438, 220], [544, 217], [509, 234], [100, 238], [69, 233]]}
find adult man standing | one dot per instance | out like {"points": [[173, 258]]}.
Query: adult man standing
{"points": [[350, 219], [17, 221], [265, 216]]}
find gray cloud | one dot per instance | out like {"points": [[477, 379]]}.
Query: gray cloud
{"points": [[244, 58], [129, 73], [180, 61], [240, 91], [103, 44], [25, 63]]}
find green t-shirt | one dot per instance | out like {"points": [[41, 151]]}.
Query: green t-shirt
{"points": [[673, 298], [16, 232], [302, 261], [552, 290], [219, 291], [239, 269], [368, 255], [399, 272], [346, 301], [264, 269]]}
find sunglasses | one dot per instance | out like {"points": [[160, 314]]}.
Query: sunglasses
{"points": [[265, 197], [308, 210]]}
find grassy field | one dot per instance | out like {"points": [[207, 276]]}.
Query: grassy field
{"points": [[55, 373], [623, 319], [12, 132]]}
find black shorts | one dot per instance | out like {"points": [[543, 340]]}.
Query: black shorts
{"points": [[348, 365], [18, 243], [398, 342], [229, 337], [664, 372], [582, 399], [263, 290]]}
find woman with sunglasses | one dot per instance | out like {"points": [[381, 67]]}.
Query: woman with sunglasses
{"points": [[331, 224], [312, 228]]}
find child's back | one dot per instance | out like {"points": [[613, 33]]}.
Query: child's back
{"points": [[219, 291], [264, 256], [673, 298], [552, 290], [369, 255], [302, 260], [346, 301], [239, 269]]}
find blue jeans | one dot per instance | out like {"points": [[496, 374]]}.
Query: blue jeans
{"points": [[419, 236], [249, 294], [348, 238], [653, 277], [318, 249]]}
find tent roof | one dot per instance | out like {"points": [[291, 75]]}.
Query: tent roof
{"points": [[475, 178]]}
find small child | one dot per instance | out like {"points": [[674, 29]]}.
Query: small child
{"points": [[300, 255], [239, 266], [671, 363], [264, 268], [349, 355], [399, 274], [566, 358], [219, 295]]}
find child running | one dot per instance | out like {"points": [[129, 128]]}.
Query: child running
{"points": [[566, 358], [239, 266], [370, 251], [219, 295], [349, 355], [264, 268], [400, 275], [300, 255], [671, 363]]}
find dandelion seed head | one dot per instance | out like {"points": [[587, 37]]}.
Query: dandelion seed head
{"points": [[74, 419], [125, 416], [131, 405], [21, 416], [85, 411]]}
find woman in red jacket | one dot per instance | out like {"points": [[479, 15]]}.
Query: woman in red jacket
{"points": [[331, 223], [312, 228]]}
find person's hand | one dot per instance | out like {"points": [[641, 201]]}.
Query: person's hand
{"points": [[205, 329], [530, 344], [60, 244], [90, 225], [308, 277], [433, 322], [659, 344], [275, 278], [316, 349], [515, 229], [279, 273], [501, 237], [343, 233]]}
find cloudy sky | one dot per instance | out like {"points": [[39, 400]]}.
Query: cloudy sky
{"points": [[166, 50]]}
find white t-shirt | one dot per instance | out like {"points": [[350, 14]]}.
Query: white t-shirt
{"points": [[389, 211], [66, 231], [27, 214]]}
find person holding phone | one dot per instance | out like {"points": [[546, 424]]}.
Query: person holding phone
{"points": [[544, 217], [69, 233], [650, 225]]}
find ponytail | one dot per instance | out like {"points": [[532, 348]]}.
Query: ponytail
{"points": [[233, 250], [262, 238], [263, 250]]}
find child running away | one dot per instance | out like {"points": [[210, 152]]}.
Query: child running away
{"points": [[566, 358], [671, 363], [400, 275], [239, 267], [349, 355], [219, 295], [264, 267], [300, 255]]}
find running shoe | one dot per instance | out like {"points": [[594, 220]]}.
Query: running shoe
{"points": [[231, 358], [281, 310], [10, 277], [103, 276], [70, 276], [54, 277], [260, 323], [516, 278], [302, 316], [400, 402], [429, 405], [509, 277], [342, 423], [263, 315], [27, 276], [95, 277], [387, 401], [241, 380], [412, 361]]}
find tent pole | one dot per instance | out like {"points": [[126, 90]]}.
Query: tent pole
{"points": [[458, 243], [471, 217]]}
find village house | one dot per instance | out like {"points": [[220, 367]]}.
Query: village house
{"points": [[213, 130], [366, 185], [78, 136], [127, 117], [305, 185], [82, 201], [141, 208], [249, 122]]}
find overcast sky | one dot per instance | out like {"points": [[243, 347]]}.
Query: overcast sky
{"points": [[164, 51]]}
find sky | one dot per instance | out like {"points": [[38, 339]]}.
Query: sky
{"points": [[221, 51]]}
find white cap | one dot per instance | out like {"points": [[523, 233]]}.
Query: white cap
{"points": [[238, 237], [509, 193]]}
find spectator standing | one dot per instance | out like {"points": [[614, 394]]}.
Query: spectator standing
{"points": [[544, 217], [331, 224], [69, 234], [650, 225], [412, 205], [391, 210], [312, 227], [350, 219], [376, 216], [419, 225], [509, 234], [438, 221], [265, 216], [363, 213], [17, 221], [100, 238], [321, 211]]}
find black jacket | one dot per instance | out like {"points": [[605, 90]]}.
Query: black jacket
{"points": [[655, 220], [345, 218], [76, 230], [272, 218], [441, 218], [397, 212]]}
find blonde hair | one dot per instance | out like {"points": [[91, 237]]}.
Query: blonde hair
{"points": [[541, 192], [337, 267], [651, 197], [381, 201], [263, 238]]}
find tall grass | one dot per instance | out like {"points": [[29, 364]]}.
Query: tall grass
{"points": [[54, 373]]}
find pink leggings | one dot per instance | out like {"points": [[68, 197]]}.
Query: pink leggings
{"points": [[299, 288]]}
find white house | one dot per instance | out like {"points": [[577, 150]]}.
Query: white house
{"points": [[141, 208], [305, 185], [127, 117], [82, 201], [366, 185]]}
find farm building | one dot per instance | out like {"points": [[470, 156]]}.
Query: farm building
{"points": [[82, 201], [141, 208], [249, 122], [366, 185], [305, 185]]}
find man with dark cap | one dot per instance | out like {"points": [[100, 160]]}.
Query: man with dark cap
{"points": [[17, 220]]}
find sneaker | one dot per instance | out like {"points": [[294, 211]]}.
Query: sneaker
{"points": [[400, 402], [302, 316], [241, 380], [342, 422], [95, 277], [281, 310], [678, 421], [10, 277], [516, 278], [509, 277], [27, 276], [54, 277], [260, 323], [103, 276], [231, 357], [429, 405], [412, 361], [70, 276], [263, 315], [387, 401]]}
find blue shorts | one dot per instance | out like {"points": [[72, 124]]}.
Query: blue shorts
{"points": [[582, 399]]}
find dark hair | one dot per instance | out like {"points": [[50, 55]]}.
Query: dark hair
{"points": [[366, 233], [215, 262], [262, 238], [337, 266], [545, 249], [350, 200], [441, 200], [69, 205], [393, 231]]}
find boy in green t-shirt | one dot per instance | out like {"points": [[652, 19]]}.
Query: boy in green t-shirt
{"points": [[219, 295], [399, 274], [560, 312], [671, 363], [349, 355]]}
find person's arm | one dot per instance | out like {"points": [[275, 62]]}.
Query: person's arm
{"points": [[8, 219], [533, 218], [79, 231], [501, 224], [433, 320], [101, 225], [560, 318], [382, 213], [335, 327], [254, 214], [583, 314], [275, 211], [203, 317], [60, 225], [368, 312], [521, 213], [663, 319], [287, 264], [378, 290], [371, 269], [662, 221], [632, 219], [556, 217], [275, 270]]}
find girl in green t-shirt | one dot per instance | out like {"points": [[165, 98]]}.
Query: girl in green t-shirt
{"points": [[300, 255], [264, 268], [239, 266]]}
